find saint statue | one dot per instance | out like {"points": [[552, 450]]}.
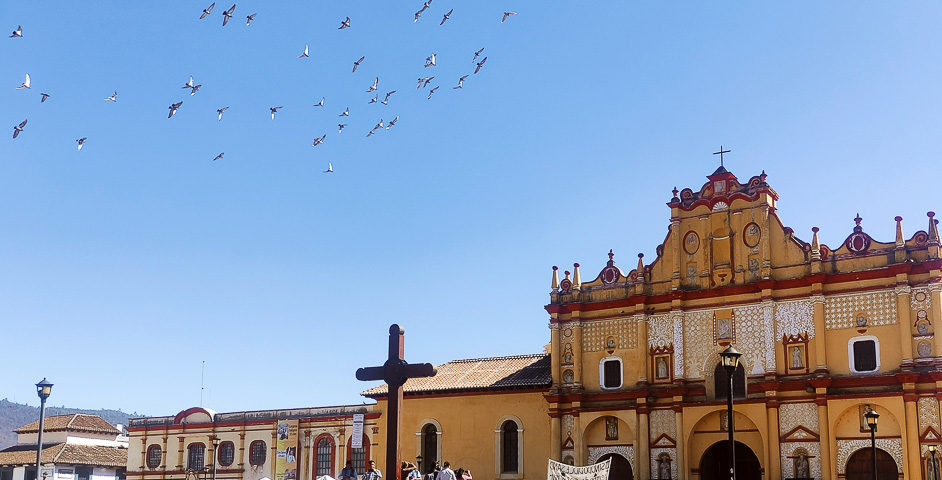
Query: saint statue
{"points": [[662, 371], [802, 469], [797, 360], [611, 428], [664, 468], [724, 328]]}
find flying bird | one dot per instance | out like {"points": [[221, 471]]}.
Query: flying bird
{"points": [[217, 157], [320, 103], [392, 122], [113, 97], [18, 32], [25, 83], [81, 142], [476, 55], [460, 82], [194, 89], [388, 94], [344, 24], [273, 110], [430, 92], [479, 65], [319, 140], [330, 168], [378, 126], [430, 60], [189, 83], [373, 87], [174, 107], [416, 19], [207, 10], [423, 82], [374, 99], [446, 17], [227, 15], [304, 54], [220, 110], [18, 128], [357, 63], [346, 113], [340, 127], [506, 14], [249, 18], [45, 96]]}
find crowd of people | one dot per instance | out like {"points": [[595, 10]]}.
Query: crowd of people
{"points": [[409, 472]]}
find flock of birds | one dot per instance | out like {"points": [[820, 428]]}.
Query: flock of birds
{"points": [[423, 82]]}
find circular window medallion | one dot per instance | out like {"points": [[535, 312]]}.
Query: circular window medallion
{"points": [[861, 320], [924, 349], [567, 332], [921, 314], [610, 275], [751, 235], [691, 242], [920, 296], [568, 376], [858, 242]]}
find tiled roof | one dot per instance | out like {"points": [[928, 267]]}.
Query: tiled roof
{"points": [[67, 453], [76, 422], [495, 373]]}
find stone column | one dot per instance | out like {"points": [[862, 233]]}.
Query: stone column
{"points": [[555, 352], [643, 442], [555, 439], [680, 461], [912, 431], [644, 352], [578, 448], [903, 311], [820, 334], [775, 455], [827, 470], [577, 352], [935, 315]]}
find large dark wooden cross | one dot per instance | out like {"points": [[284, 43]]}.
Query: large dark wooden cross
{"points": [[395, 372]]}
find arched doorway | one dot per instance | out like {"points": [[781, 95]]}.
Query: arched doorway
{"points": [[860, 465], [620, 469], [714, 464]]}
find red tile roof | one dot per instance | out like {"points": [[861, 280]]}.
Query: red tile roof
{"points": [[66, 453], [495, 373], [76, 422]]}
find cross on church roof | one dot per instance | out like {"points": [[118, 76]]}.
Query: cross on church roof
{"points": [[720, 153]]}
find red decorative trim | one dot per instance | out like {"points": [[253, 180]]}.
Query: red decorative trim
{"points": [[669, 442], [254, 461], [930, 435], [467, 393], [812, 437], [218, 453], [180, 416], [147, 456], [366, 449], [333, 451]]}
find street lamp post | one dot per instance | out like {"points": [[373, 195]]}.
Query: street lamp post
{"points": [[730, 358], [872, 416], [215, 441], [418, 463], [43, 389]]}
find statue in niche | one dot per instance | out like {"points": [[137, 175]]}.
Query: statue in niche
{"points": [[802, 467], [724, 328], [568, 376], [922, 328], [567, 358], [664, 467], [932, 468], [798, 360], [662, 371], [611, 428]]}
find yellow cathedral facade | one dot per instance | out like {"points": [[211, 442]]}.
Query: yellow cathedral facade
{"points": [[632, 371]]}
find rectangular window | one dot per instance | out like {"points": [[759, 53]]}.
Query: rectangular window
{"points": [[196, 456], [6, 474], [325, 455], [358, 456], [612, 369], [865, 356], [83, 473]]}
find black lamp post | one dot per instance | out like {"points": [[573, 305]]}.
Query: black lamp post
{"points": [[872, 417], [730, 358], [418, 463], [215, 441], [43, 389]]}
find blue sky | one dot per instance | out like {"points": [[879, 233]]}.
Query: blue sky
{"points": [[129, 263]]}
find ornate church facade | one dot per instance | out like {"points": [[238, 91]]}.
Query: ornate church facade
{"points": [[826, 333]]}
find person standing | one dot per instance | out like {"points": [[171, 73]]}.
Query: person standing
{"points": [[372, 473], [348, 472], [446, 473]]}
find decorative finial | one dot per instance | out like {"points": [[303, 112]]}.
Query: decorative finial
{"points": [[815, 244], [900, 241], [555, 282], [611, 254], [762, 176], [857, 220], [641, 265], [933, 229], [720, 153], [576, 278], [675, 198]]}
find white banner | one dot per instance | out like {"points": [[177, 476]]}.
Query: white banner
{"points": [[562, 471], [357, 436]]}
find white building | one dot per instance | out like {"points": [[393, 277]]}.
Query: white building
{"points": [[75, 447]]}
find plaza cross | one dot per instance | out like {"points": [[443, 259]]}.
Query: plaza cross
{"points": [[395, 372]]}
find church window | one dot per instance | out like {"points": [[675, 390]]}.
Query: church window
{"points": [[429, 447], [154, 456], [509, 444], [226, 453], [721, 382], [864, 354], [325, 455], [258, 452], [359, 456], [610, 373], [196, 456]]}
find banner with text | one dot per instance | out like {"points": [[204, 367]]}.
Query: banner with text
{"points": [[562, 471], [356, 441], [286, 450]]}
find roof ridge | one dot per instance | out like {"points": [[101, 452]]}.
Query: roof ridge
{"points": [[507, 357]]}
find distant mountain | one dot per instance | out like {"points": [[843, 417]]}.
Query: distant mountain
{"points": [[14, 415]]}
